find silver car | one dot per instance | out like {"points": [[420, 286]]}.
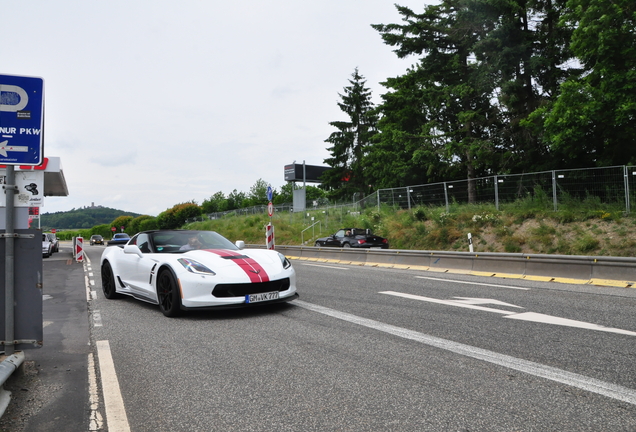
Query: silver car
{"points": [[47, 246]]}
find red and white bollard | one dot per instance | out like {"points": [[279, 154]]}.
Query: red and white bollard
{"points": [[79, 249], [269, 234]]}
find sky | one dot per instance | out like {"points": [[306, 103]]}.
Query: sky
{"points": [[153, 103]]}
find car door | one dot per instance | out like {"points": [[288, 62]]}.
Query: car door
{"points": [[336, 239], [138, 271]]}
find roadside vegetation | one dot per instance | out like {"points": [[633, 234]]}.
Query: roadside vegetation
{"points": [[585, 227], [580, 229]]}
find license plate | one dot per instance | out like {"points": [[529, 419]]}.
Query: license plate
{"points": [[255, 298]]}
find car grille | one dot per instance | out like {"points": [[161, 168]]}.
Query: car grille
{"points": [[242, 289]]}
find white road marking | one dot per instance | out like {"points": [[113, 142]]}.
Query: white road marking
{"points": [[116, 418], [593, 385], [96, 422], [473, 283], [326, 266], [445, 302], [470, 303], [482, 301], [549, 319], [97, 318]]}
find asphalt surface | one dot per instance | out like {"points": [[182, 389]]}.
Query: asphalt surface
{"points": [[319, 364], [49, 391]]}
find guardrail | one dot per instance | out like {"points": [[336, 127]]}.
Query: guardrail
{"points": [[7, 367], [607, 271]]}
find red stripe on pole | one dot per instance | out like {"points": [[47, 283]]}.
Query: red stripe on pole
{"points": [[252, 269]]}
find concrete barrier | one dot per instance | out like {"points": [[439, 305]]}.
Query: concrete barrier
{"points": [[610, 271]]}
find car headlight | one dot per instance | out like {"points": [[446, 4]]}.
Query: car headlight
{"points": [[284, 261], [195, 267]]}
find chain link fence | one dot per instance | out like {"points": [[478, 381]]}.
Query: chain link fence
{"points": [[607, 185], [614, 185]]}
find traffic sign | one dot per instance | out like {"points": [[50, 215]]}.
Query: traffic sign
{"points": [[270, 209], [21, 120], [270, 193]]}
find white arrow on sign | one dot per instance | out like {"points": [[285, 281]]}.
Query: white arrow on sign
{"points": [[5, 148], [473, 303]]}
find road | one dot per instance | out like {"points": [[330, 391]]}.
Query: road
{"points": [[368, 349]]}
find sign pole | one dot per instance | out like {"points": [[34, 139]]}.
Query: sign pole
{"points": [[9, 263]]}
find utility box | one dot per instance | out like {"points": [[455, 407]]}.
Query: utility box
{"points": [[27, 295]]}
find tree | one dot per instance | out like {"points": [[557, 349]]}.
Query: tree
{"points": [[176, 216], [459, 122], [235, 200], [522, 47], [122, 221], [258, 193], [216, 203], [593, 121], [135, 224], [350, 141], [286, 194]]}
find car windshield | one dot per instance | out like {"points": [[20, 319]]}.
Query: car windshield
{"points": [[182, 241]]}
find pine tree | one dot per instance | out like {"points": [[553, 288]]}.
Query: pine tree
{"points": [[350, 141]]}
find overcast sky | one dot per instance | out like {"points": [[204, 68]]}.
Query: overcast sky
{"points": [[153, 103]]}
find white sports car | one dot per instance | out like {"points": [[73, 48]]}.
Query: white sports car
{"points": [[182, 270]]}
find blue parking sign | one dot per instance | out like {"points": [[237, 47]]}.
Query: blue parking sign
{"points": [[21, 120]]}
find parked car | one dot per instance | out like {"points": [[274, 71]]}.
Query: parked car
{"points": [[353, 238], [96, 239], [182, 270], [119, 239], [47, 246], [54, 241]]}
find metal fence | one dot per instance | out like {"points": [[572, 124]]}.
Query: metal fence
{"points": [[603, 186], [589, 186]]}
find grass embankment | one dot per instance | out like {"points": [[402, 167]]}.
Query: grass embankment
{"points": [[579, 228]]}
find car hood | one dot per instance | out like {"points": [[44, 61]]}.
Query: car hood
{"points": [[248, 259]]}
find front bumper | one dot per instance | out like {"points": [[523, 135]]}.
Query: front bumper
{"points": [[241, 305]]}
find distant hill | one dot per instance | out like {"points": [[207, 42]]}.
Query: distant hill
{"points": [[81, 218]]}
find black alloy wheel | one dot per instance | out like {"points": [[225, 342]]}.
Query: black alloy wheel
{"points": [[317, 244], [108, 282], [346, 245], [168, 294]]}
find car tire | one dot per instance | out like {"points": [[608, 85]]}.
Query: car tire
{"points": [[108, 282], [317, 244], [168, 294], [346, 245]]}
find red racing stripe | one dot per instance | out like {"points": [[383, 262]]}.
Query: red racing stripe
{"points": [[252, 269]]}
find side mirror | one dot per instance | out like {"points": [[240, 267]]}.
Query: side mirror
{"points": [[240, 244], [133, 249]]}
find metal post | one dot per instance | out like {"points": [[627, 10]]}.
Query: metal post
{"points": [[496, 193], [9, 279], [554, 190], [446, 197], [408, 196], [626, 181]]}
